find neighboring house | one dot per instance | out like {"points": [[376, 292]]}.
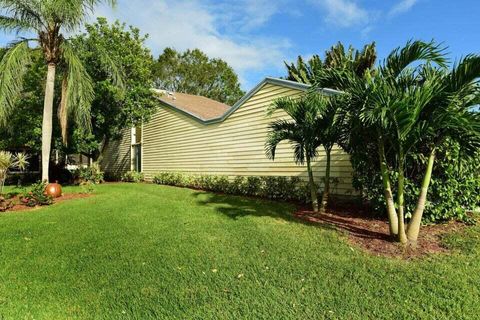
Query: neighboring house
{"points": [[197, 135]]}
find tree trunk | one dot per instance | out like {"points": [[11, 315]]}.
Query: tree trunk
{"points": [[47, 120], [402, 236], [387, 190], [414, 225], [313, 190], [326, 189]]}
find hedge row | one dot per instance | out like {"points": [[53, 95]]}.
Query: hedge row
{"points": [[277, 188]]}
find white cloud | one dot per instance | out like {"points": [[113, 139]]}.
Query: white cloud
{"points": [[402, 7], [343, 13], [188, 24]]}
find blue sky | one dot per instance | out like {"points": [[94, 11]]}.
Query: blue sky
{"points": [[256, 36]]}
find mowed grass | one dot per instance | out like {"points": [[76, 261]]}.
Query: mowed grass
{"points": [[139, 251]]}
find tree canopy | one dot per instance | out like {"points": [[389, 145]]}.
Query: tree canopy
{"points": [[194, 72], [338, 58], [50, 21], [113, 108]]}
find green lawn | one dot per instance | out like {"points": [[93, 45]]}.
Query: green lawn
{"points": [[147, 251]]}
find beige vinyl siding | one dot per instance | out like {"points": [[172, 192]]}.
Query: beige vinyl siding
{"points": [[173, 141], [116, 156]]}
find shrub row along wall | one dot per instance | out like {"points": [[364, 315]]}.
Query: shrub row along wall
{"points": [[277, 188]]}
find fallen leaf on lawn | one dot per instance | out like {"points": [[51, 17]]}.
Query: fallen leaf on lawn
{"points": [[214, 270], [240, 276]]}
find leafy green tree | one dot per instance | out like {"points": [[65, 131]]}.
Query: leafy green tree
{"points": [[49, 20], [113, 108], [195, 73], [301, 131]]}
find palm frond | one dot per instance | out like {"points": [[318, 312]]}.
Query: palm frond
{"points": [[279, 131], [78, 90], [9, 24], [22, 15], [413, 51], [465, 75], [13, 67], [116, 74], [70, 15]]}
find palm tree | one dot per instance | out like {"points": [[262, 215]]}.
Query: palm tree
{"points": [[329, 132], [49, 20], [339, 59], [301, 130], [357, 61], [402, 107], [449, 117]]}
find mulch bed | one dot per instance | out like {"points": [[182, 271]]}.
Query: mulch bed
{"points": [[69, 196], [371, 234]]}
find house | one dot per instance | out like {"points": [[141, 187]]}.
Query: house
{"points": [[197, 135]]}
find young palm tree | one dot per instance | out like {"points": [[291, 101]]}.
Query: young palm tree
{"points": [[450, 116], [329, 131], [310, 72], [301, 130], [378, 110], [402, 107], [49, 20]]}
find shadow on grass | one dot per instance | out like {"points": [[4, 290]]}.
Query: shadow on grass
{"points": [[236, 207], [346, 224], [350, 220]]}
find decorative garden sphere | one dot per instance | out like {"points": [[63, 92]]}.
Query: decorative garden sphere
{"points": [[54, 190]]}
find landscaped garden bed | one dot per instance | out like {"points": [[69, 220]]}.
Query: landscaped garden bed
{"points": [[370, 233], [18, 205]]}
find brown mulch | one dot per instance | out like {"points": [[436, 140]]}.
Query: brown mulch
{"points": [[65, 197], [371, 234]]}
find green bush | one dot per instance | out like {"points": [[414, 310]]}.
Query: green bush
{"points": [[133, 176], [454, 189], [276, 188], [36, 196], [91, 174]]}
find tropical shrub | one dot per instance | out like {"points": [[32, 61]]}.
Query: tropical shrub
{"points": [[454, 190], [91, 174], [36, 196], [133, 176], [10, 161], [275, 188]]}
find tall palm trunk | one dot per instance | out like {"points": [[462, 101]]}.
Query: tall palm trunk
{"points": [[47, 120], [414, 225], [387, 190], [402, 236], [326, 189], [313, 190]]}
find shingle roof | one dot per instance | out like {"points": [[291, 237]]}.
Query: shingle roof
{"points": [[198, 106], [209, 111]]}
